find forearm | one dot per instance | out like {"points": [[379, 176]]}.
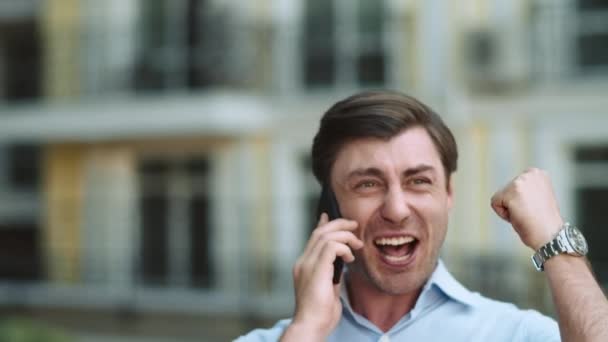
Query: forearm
{"points": [[581, 305]]}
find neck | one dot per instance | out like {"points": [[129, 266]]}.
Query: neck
{"points": [[382, 309]]}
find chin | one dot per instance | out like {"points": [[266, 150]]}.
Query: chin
{"points": [[395, 283], [399, 284]]}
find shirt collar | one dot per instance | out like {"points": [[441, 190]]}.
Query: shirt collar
{"points": [[453, 289]]}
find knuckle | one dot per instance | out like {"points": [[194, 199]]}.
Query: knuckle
{"points": [[315, 233], [332, 247], [331, 244], [518, 182], [324, 238]]}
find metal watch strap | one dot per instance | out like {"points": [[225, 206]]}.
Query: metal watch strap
{"points": [[551, 249]]}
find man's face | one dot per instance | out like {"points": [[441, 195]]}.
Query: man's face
{"points": [[398, 193]]}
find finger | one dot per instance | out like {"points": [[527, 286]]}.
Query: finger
{"points": [[502, 212], [499, 205], [334, 225], [323, 262], [323, 219], [333, 250], [343, 237]]}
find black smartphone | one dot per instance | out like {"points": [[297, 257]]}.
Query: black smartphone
{"points": [[329, 205]]}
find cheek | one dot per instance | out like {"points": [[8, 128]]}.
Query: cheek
{"points": [[361, 210], [435, 211]]}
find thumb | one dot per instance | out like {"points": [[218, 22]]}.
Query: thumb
{"points": [[502, 212]]}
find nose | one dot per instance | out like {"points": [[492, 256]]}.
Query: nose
{"points": [[395, 208]]}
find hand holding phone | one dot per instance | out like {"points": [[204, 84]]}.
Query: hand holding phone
{"points": [[318, 307]]}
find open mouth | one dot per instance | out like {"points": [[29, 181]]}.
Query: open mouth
{"points": [[396, 250]]}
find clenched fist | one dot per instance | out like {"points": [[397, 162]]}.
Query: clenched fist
{"points": [[529, 204]]}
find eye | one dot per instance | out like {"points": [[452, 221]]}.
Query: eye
{"points": [[420, 181], [366, 184]]}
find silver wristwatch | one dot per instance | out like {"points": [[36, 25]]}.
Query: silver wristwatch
{"points": [[569, 240]]}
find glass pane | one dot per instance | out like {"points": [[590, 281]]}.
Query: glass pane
{"points": [[319, 18], [593, 4], [19, 252], [149, 73], [20, 60], [593, 50], [371, 68], [154, 206], [195, 22], [201, 271], [591, 154], [318, 43], [371, 18], [319, 70], [198, 167], [592, 219], [154, 237], [200, 238], [24, 166], [370, 62]]}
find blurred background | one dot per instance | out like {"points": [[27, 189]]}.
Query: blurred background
{"points": [[155, 176]]}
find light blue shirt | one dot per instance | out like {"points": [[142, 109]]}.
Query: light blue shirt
{"points": [[445, 311]]}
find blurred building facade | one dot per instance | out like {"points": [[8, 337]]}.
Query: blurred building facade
{"points": [[154, 168]]}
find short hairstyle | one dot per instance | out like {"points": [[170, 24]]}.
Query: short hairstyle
{"points": [[377, 114]]}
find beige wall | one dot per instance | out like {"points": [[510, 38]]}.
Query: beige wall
{"points": [[63, 190], [61, 31]]}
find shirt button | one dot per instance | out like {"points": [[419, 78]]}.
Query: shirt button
{"points": [[384, 338]]}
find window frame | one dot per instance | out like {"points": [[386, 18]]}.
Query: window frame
{"points": [[349, 48]]}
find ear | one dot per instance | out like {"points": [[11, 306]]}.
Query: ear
{"points": [[450, 192]]}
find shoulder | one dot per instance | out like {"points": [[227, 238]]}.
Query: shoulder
{"points": [[528, 325], [265, 335], [476, 315]]}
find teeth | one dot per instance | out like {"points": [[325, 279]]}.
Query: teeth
{"points": [[396, 241], [396, 258]]}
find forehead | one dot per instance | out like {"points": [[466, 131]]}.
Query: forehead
{"points": [[409, 148]]}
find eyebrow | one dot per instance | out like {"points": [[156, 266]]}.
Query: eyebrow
{"points": [[418, 169], [372, 171]]}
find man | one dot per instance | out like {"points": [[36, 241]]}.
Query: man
{"points": [[389, 160]]}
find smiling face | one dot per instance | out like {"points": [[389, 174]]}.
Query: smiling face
{"points": [[398, 193]]}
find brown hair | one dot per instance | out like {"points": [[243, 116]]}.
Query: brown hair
{"points": [[378, 114]]}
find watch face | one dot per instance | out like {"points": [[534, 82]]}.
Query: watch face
{"points": [[577, 240]]}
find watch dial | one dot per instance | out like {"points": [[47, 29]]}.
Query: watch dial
{"points": [[577, 240]]}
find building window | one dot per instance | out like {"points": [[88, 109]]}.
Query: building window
{"points": [[23, 163], [20, 258], [343, 43], [591, 208], [592, 35], [20, 59], [175, 223], [184, 45]]}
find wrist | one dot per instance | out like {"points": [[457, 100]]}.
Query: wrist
{"points": [[568, 241], [550, 228]]}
